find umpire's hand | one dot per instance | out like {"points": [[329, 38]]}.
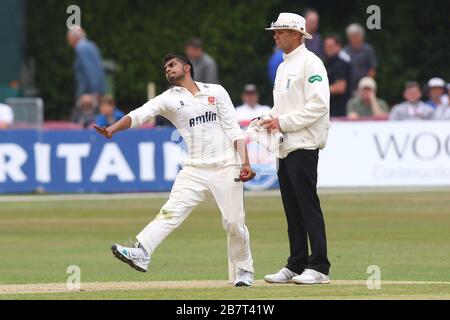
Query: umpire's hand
{"points": [[247, 173], [271, 124]]}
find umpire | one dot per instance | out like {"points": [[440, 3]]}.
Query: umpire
{"points": [[301, 111]]}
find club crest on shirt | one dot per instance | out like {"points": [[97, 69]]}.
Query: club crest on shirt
{"points": [[211, 100]]}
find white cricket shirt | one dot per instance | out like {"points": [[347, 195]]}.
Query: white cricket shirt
{"points": [[206, 121]]}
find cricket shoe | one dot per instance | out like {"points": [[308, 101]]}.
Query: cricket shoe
{"points": [[310, 276], [283, 276], [137, 258], [244, 278]]}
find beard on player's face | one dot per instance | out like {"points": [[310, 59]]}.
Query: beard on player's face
{"points": [[176, 74], [176, 79]]}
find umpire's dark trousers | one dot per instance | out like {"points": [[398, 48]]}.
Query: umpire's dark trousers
{"points": [[297, 175]]}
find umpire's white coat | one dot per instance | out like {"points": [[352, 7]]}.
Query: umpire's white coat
{"points": [[302, 101]]}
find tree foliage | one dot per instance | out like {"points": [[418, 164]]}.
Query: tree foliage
{"points": [[412, 43]]}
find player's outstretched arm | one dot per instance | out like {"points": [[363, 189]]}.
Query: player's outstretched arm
{"points": [[122, 124]]}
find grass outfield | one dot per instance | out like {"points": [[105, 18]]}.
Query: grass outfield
{"points": [[405, 234]]}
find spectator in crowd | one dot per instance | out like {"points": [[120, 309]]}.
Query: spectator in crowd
{"points": [[85, 111], [250, 108], [338, 75], [205, 67], [436, 92], [442, 112], [366, 103], [445, 98], [274, 61], [412, 108], [312, 26], [6, 116], [109, 114], [89, 74], [362, 55]]}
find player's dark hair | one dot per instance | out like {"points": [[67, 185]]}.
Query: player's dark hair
{"points": [[183, 59]]}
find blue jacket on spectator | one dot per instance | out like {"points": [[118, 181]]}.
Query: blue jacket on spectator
{"points": [[275, 59], [89, 73], [102, 120]]}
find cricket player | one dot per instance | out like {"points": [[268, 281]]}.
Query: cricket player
{"points": [[217, 162]]}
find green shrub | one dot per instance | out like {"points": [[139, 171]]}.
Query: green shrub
{"points": [[412, 44]]}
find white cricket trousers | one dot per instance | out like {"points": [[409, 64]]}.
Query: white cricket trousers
{"points": [[189, 189]]}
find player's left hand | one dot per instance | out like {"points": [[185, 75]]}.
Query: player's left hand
{"points": [[247, 173]]}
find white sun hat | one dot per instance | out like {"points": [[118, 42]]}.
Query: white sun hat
{"points": [[290, 21], [436, 83]]}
